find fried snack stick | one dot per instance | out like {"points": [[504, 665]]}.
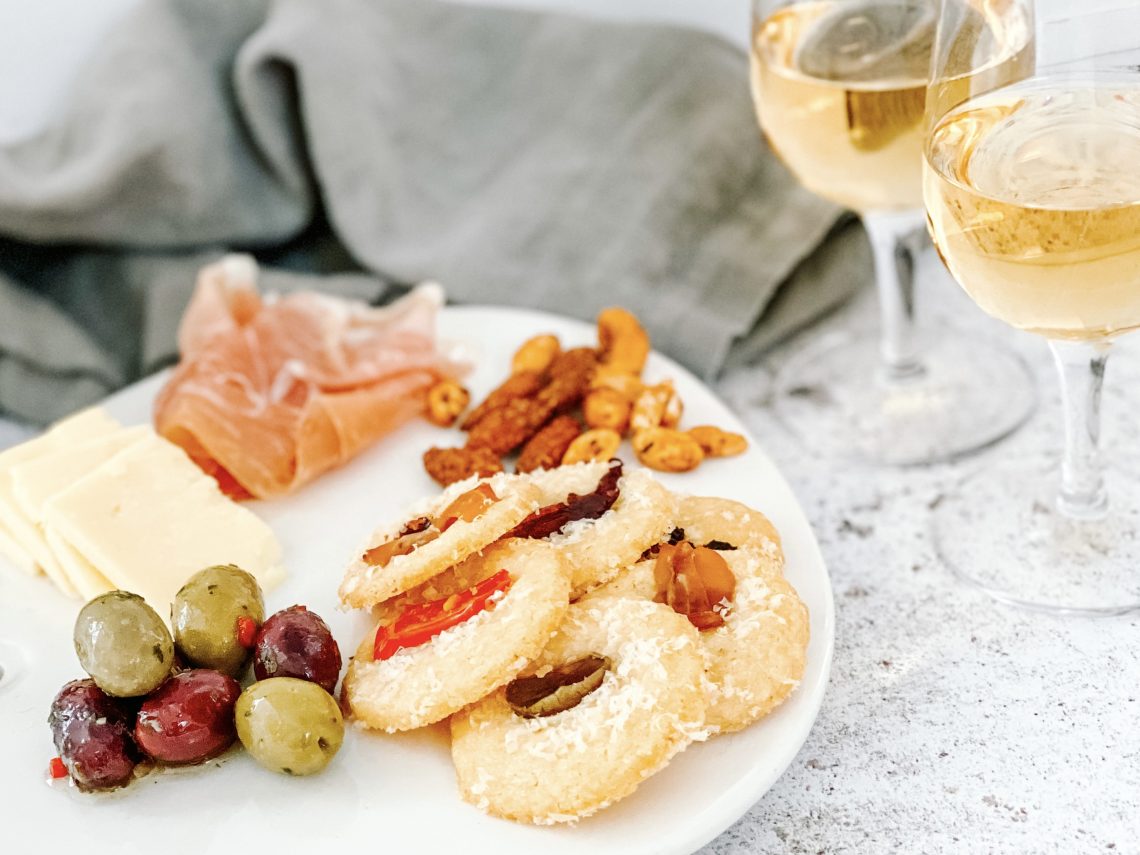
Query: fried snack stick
{"points": [[545, 449], [504, 429], [508, 426], [522, 384], [448, 465], [570, 376]]}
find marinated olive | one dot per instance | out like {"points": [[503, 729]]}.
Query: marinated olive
{"points": [[190, 718], [123, 644], [295, 642], [288, 725], [92, 733], [206, 615]]}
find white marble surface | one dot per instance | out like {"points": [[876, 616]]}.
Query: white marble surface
{"points": [[951, 725]]}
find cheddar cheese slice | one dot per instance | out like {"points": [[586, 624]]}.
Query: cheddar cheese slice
{"points": [[35, 481], [148, 519], [19, 529]]}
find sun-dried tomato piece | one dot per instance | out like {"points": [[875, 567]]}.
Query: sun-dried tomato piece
{"points": [[694, 582], [720, 545], [553, 518]]}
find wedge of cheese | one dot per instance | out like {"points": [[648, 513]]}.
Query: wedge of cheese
{"points": [[148, 519], [35, 481], [23, 537]]}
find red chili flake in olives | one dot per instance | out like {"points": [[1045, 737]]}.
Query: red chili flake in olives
{"points": [[246, 631]]}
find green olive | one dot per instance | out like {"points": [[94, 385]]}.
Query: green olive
{"points": [[288, 725], [205, 617], [123, 644]]}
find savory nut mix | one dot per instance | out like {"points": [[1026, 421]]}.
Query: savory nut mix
{"points": [[536, 409]]}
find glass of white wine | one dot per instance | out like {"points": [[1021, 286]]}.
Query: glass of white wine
{"points": [[840, 90], [1033, 194]]}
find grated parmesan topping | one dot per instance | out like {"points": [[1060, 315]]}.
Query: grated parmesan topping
{"points": [[502, 483], [412, 672], [638, 684]]}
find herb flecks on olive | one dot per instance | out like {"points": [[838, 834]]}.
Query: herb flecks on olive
{"points": [[560, 689], [289, 726], [92, 733], [123, 644], [211, 615]]}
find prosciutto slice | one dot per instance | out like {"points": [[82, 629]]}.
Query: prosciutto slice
{"points": [[272, 392]]}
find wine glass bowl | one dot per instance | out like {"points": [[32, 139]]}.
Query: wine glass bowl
{"points": [[1032, 189], [840, 89], [841, 97]]}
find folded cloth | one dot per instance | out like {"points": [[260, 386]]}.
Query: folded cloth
{"points": [[518, 158]]}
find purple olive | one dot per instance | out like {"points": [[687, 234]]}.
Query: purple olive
{"points": [[295, 642], [189, 718], [92, 733]]}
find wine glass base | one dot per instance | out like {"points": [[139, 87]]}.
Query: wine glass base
{"points": [[1000, 531], [835, 397]]}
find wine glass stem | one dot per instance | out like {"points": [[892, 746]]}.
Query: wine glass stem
{"points": [[895, 239], [1081, 365]]}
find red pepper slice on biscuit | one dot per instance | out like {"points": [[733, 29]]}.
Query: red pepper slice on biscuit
{"points": [[421, 623]]}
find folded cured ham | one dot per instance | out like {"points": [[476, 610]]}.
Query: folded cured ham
{"points": [[272, 392]]}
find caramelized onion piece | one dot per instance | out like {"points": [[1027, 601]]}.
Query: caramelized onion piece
{"points": [[694, 582], [467, 507], [421, 530], [558, 690], [415, 533]]}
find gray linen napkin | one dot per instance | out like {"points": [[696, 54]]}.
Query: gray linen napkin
{"points": [[518, 158]]}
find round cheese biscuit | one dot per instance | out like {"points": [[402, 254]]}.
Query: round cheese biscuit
{"points": [[569, 765], [424, 684], [365, 585], [706, 519], [756, 659], [597, 549]]}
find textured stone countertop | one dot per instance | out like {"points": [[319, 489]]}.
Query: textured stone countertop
{"points": [[951, 724]]}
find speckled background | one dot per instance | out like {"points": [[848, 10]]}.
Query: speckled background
{"points": [[951, 724]]}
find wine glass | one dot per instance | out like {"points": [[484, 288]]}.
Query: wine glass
{"points": [[840, 88], [1033, 195]]}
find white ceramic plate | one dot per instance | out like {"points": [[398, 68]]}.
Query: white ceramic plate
{"points": [[392, 793]]}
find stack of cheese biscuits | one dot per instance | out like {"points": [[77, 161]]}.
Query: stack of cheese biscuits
{"points": [[577, 626]]}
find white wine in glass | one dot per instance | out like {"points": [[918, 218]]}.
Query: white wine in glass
{"points": [[1033, 195], [840, 89], [848, 123]]}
